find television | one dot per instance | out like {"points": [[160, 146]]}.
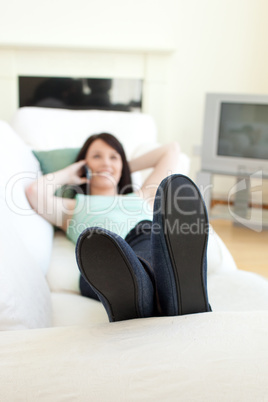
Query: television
{"points": [[235, 135]]}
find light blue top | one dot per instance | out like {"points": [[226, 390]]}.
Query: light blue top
{"points": [[118, 214]]}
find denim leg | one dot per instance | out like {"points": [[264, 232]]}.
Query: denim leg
{"points": [[139, 239], [179, 241]]}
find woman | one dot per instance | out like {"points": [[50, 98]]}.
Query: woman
{"points": [[137, 261]]}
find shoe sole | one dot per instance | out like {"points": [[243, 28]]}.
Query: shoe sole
{"points": [[105, 267], [185, 226]]}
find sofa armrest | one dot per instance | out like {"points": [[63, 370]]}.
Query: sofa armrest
{"points": [[201, 357], [25, 300]]}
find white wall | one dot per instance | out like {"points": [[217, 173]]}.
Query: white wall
{"points": [[219, 46], [87, 22]]}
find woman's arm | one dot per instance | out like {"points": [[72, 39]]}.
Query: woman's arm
{"points": [[164, 161], [40, 194]]}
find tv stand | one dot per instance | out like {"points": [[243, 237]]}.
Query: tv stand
{"points": [[238, 198]]}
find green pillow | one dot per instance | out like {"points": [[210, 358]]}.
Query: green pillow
{"points": [[56, 159]]}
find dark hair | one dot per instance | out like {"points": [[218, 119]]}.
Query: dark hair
{"points": [[125, 184]]}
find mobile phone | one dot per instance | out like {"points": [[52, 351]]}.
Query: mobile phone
{"points": [[88, 174]]}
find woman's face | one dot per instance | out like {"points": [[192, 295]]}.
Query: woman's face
{"points": [[105, 164]]}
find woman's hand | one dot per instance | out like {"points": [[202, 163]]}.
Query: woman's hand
{"points": [[40, 194], [74, 172], [164, 160]]}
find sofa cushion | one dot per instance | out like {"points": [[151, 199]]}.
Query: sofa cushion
{"points": [[56, 159], [71, 309], [63, 274], [219, 258], [237, 291]]}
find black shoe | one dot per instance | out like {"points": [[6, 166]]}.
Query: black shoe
{"points": [[115, 273], [179, 244]]}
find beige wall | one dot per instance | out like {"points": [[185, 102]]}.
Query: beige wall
{"points": [[219, 46]]}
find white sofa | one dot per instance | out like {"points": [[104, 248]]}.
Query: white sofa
{"points": [[56, 345]]}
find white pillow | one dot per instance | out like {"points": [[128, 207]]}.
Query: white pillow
{"points": [[18, 167], [63, 274], [44, 128], [25, 300]]}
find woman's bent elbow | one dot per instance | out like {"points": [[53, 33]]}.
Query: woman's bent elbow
{"points": [[31, 194], [175, 148]]}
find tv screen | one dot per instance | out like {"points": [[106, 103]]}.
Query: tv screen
{"points": [[243, 130], [81, 93]]}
